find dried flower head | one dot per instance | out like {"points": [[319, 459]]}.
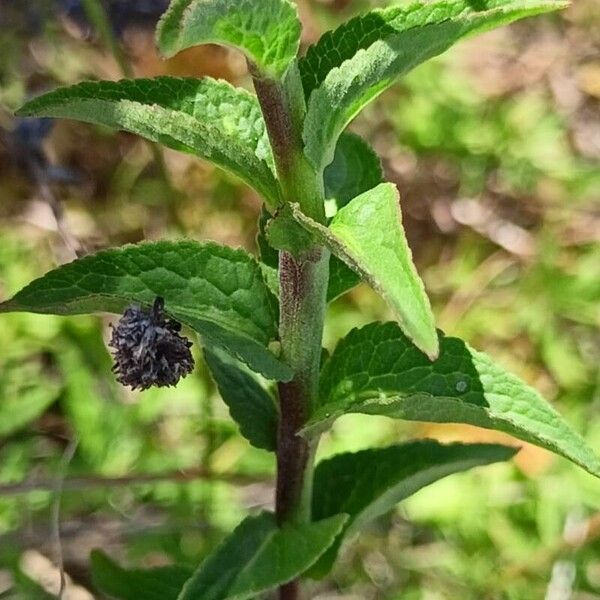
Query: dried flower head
{"points": [[148, 349]]}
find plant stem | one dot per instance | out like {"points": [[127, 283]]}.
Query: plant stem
{"points": [[302, 307], [303, 279], [283, 108]]}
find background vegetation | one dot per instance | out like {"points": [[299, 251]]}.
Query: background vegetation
{"points": [[495, 148]]}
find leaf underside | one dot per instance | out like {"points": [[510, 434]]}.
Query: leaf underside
{"points": [[368, 235], [369, 483], [352, 65], [216, 290], [205, 117], [376, 370], [259, 556], [267, 32], [250, 405]]}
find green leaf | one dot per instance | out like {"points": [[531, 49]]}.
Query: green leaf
{"points": [[216, 290], [355, 169], [267, 32], [367, 234], [376, 370], [341, 277], [259, 556], [352, 65], [370, 483], [250, 405], [284, 233], [268, 254], [161, 583], [204, 117]]}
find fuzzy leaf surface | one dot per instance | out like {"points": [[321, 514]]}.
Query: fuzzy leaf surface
{"points": [[161, 583], [376, 370], [267, 32], [250, 405], [216, 290], [369, 483], [352, 65], [204, 117], [368, 235], [259, 556]]}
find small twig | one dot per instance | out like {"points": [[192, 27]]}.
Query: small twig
{"points": [[70, 241], [57, 487], [93, 482], [96, 15]]}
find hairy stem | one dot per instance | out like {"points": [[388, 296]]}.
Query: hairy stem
{"points": [[302, 300], [303, 279], [283, 109]]}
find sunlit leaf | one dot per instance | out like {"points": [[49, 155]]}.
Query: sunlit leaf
{"points": [[216, 290], [268, 32], [376, 370], [351, 66], [208, 118], [368, 235]]}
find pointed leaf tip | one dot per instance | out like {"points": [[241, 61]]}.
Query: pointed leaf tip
{"points": [[367, 234], [376, 370]]}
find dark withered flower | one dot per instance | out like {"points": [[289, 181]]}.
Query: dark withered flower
{"points": [[148, 349]]}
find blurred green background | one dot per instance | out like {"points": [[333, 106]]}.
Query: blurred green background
{"points": [[495, 148]]}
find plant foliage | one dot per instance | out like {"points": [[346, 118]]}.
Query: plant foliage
{"points": [[404, 369]]}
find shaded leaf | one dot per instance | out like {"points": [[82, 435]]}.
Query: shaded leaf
{"points": [[259, 556], [285, 234], [161, 583], [250, 405], [369, 483], [268, 254], [355, 169], [205, 117], [368, 235], [267, 32], [352, 65], [216, 290], [376, 370], [341, 279]]}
